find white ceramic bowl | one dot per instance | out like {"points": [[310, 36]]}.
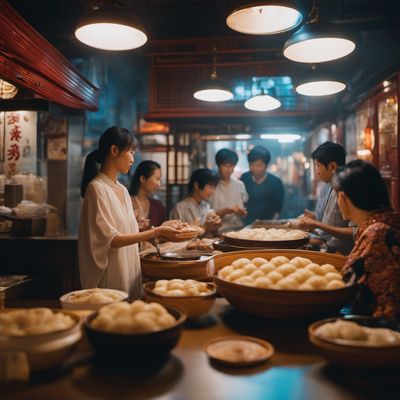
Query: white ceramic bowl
{"points": [[67, 304], [44, 351]]}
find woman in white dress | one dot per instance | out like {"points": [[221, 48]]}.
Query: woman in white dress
{"points": [[108, 231]]}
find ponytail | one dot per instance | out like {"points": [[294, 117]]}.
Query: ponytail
{"points": [[90, 170], [115, 135]]}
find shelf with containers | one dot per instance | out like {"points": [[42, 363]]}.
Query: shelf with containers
{"points": [[175, 152]]}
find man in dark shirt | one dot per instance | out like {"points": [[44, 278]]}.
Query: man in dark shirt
{"points": [[266, 192]]}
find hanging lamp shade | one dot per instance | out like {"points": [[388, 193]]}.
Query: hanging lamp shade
{"points": [[319, 83], [111, 28], [7, 90], [265, 17], [213, 89], [317, 42], [262, 102]]}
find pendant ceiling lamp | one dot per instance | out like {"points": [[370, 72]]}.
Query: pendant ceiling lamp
{"points": [[265, 17], [262, 102], [317, 42], [213, 89], [319, 83], [111, 28], [7, 90]]}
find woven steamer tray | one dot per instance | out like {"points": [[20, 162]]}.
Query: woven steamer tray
{"points": [[268, 244], [155, 268], [281, 304]]}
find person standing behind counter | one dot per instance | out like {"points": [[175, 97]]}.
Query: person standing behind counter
{"points": [[374, 262], [108, 231], [266, 191], [195, 209], [147, 180], [328, 220], [230, 194]]}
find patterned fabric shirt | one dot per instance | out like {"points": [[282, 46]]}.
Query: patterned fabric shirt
{"points": [[374, 264]]}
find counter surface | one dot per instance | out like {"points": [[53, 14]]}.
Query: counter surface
{"points": [[296, 371]]}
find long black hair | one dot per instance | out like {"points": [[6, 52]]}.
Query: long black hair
{"points": [[145, 168], [120, 137], [362, 183]]}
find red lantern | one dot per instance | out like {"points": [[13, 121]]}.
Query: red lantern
{"points": [[368, 136]]}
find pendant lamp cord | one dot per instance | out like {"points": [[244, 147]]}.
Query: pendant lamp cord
{"points": [[314, 13], [214, 70]]}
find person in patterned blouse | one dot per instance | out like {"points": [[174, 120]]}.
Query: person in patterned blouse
{"points": [[374, 263]]}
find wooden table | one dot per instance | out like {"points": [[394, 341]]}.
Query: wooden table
{"points": [[296, 371]]}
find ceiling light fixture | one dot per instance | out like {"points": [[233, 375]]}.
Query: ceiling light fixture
{"points": [[111, 28], [317, 42], [319, 83], [242, 136], [213, 89], [262, 102], [265, 17], [281, 137], [7, 90]]}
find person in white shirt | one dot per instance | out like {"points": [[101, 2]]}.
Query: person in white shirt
{"points": [[230, 194], [108, 232]]}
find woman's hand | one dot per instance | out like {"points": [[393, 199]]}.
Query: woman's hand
{"points": [[174, 223], [169, 233]]}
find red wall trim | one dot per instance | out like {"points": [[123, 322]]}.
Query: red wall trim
{"points": [[29, 60]]}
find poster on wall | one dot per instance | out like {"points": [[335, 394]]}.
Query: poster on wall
{"points": [[57, 148], [55, 130], [20, 131]]}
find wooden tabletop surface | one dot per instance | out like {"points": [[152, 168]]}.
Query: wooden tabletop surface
{"points": [[296, 371]]}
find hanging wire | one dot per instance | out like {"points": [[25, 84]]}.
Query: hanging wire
{"points": [[214, 70], [314, 13]]}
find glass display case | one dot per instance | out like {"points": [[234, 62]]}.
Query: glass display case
{"points": [[388, 150]]}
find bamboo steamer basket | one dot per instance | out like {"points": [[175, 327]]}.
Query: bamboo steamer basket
{"points": [[153, 268], [281, 304]]}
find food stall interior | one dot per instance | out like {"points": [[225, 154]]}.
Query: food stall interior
{"points": [[59, 92]]}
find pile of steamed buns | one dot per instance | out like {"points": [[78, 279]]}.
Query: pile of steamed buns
{"points": [[280, 273]]}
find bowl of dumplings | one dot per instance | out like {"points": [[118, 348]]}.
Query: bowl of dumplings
{"points": [[135, 332], [91, 299], [275, 238], [35, 339], [282, 284], [357, 342], [193, 297]]}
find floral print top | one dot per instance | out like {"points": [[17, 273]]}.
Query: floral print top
{"points": [[374, 264]]}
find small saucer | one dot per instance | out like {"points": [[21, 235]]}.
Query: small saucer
{"points": [[239, 351]]}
